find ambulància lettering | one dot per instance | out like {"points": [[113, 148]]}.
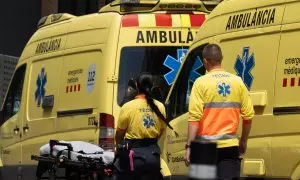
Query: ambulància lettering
{"points": [[251, 19], [164, 37], [48, 46]]}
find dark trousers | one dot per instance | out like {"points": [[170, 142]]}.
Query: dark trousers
{"points": [[228, 163], [146, 164]]}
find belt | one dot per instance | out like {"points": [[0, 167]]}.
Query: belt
{"points": [[141, 142]]}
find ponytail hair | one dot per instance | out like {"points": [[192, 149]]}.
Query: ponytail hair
{"points": [[144, 84]]}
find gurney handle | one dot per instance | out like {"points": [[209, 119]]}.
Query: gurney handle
{"points": [[52, 143]]}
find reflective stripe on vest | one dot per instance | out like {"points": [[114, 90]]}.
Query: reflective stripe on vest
{"points": [[217, 137], [219, 119], [222, 105]]}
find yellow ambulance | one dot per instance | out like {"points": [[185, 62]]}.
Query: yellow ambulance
{"points": [[260, 43], [72, 76]]}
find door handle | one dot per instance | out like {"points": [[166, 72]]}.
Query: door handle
{"points": [[25, 128], [96, 123], [16, 130]]}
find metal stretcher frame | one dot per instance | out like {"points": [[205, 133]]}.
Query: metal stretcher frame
{"points": [[84, 168]]}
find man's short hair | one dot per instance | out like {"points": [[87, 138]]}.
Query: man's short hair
{"points": [[213, 54]]}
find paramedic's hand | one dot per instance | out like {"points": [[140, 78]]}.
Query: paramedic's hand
{"points": [[187, 156], [243, 147]]}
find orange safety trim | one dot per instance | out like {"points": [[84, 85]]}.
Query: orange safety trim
{"points": [[162, 20], [217, 121]]}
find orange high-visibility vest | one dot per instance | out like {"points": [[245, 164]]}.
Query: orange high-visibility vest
{"points": [[217, 101]]}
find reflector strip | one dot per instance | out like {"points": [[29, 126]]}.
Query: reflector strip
{"points": [[290, 82], [197, 19], [202, 171], [146, 20], [293, 82], [185, 20], [73, 88], [163, 20], [176, 20], [130, 20], [222, 105], [284, 83]]}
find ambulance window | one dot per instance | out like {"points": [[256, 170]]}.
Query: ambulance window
{"points": [[13, 99], [191, 70], [135, 60]]}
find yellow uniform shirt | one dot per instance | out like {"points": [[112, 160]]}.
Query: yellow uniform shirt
{"points": [[217, 101], [139, 121]]}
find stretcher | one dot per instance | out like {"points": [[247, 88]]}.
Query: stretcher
{"points": [[73, 160]]}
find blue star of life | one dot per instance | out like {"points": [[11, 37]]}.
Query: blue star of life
{"points": [[148, 121], [197, 65], [224, 89], [40, 83], [174, 64], [244, 65]]}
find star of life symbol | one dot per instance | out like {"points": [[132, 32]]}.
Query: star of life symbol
{"points": [[174, 64], [223, 89], [40, 83], [244, 65], [148, 121]]}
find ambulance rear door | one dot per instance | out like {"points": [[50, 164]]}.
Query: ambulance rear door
{"points": [[154, 43], [177, 107]]}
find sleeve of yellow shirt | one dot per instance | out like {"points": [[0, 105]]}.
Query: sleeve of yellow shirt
{"points": [[196, 102], [247, 111], [123, 119]]}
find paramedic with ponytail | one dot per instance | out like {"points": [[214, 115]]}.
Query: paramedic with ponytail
{"points": [[140, 125]]}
